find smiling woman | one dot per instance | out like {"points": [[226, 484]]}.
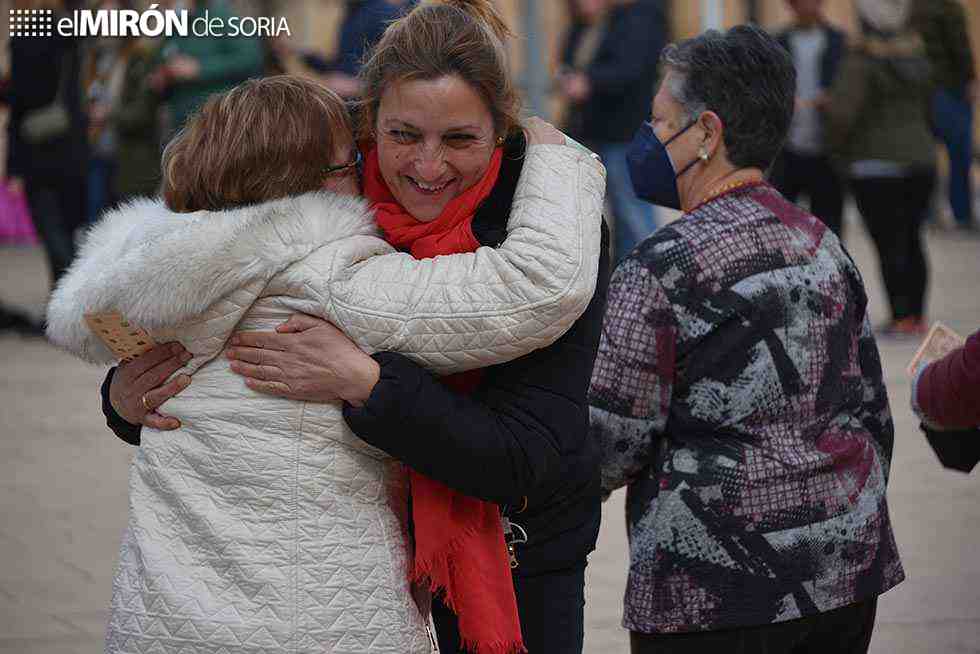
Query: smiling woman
{"points": [[439, 102], [435, 140], [445, 160], [445, 149]]}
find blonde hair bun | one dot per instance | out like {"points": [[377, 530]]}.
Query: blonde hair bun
{"points": [[439, 38], [483, 10]]}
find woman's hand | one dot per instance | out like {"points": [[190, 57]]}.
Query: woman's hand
{"points": [[306, 358], [540, 132], [138, 387]]}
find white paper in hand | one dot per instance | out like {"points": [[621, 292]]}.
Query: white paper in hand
{"points": [[940, 341]]}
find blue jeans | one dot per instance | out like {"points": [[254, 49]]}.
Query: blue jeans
{"points": [[952, 116], [101, 172], [635, 219]]}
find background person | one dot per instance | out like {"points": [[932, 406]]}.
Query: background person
{"points": [[192, 68], [364, 23], [942, 25], [11, 318], [608, 70], [103, 70], [738, 391], [878, 126], [279, 490], [49, 162], [136, 118], [804, 167]]}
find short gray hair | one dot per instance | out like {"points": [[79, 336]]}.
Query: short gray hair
{"points": [[746, 77]]}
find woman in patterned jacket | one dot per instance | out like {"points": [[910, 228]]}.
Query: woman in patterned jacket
{"points": [[738, 392]]}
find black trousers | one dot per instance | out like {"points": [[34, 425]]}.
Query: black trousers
{"points": [[812, 176], [893, 210], [58, 208], [551, 607], [843, 631]]}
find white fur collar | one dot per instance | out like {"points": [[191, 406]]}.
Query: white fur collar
{"points": [[159, 268]]}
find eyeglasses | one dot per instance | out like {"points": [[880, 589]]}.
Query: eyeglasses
{"points": [[356, 164]]}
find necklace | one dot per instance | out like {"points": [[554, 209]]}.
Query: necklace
{"points": [[728, 188]]}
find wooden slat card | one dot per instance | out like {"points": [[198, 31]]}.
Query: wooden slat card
{"points": [[940, 341], [126, 340]]}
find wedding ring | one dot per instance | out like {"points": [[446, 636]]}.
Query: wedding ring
{"points": [[146, 405]]}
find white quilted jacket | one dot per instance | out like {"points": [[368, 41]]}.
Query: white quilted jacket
{"points": [[264, 524]]}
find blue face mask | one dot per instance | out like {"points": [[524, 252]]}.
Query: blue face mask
{"points": [[652, 171]]}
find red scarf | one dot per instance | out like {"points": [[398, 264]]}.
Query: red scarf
{"points": [[460, 551]]}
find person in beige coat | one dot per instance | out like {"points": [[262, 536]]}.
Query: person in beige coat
{"points": [[264, 523]]}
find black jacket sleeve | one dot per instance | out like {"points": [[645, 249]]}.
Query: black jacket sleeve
{"points": [[115, 422], [956, 450], [509, 438]]}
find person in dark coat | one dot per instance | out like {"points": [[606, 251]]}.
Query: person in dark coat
{"points": [[137, 122], [11, 318], [805, 167], [878, 129], [519, 439], [946, 397], [52, 172], [363, 24], [608, 70]]}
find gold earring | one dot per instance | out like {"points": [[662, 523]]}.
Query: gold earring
{"points": [[500, 140]]}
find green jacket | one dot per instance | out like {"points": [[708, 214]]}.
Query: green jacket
{"points": [[942, 24], [224, 62], [879, 104], [138, 127]]}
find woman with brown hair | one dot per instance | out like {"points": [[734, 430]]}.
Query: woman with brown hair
{"points": [[263, 522], [444, 155]]}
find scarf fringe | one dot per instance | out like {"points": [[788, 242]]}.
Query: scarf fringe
{"points": [[422, 570], [422, 573], [497, 647]]}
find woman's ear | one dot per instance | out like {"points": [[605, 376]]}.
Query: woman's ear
{"points": [[714, 133]]}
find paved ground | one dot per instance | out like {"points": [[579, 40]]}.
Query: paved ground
{"points": [[63, 492]]}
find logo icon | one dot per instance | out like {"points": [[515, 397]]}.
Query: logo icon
{"points": [[31, 22]]}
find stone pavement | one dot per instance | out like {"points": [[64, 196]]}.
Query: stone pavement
{"points": [[63, 491]]}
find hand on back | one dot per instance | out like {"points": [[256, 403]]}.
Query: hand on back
{"points": [[306, 358], [139, 387]]}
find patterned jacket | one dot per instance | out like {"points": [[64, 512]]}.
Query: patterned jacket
{"points": [[738, 393]]}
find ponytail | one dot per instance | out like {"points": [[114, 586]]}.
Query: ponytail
{"points": [[439, 38], [483, 11]]}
